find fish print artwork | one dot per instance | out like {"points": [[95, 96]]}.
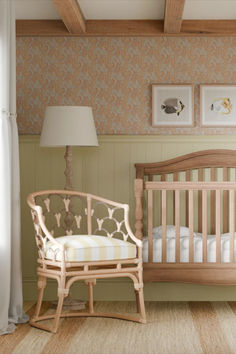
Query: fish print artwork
{"points": [[218, 105], [172, 106], [222, 106]]}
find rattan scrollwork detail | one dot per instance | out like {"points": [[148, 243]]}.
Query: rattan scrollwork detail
{"points": [[64, 217], [113, 218], [42, 239]]}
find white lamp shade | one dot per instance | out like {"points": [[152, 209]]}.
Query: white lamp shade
{"points": [[68, 125]]}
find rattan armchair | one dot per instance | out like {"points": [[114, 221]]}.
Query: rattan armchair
{"points": [[81, 236]]}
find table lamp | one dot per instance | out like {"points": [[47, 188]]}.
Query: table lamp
{"points": [[69, 126]]}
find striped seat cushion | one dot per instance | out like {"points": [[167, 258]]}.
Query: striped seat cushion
{"points": [[80, 248]]}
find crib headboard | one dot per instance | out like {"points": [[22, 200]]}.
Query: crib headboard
{"points": [[198, 161]]}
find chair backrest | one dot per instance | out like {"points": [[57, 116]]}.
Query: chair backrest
{"points": [[70, 212]]}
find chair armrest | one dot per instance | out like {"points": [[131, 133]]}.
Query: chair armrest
{"points": [[138, 242], [44, 228]]}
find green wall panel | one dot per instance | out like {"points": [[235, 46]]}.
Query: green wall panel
{"points": [[107, 170]]}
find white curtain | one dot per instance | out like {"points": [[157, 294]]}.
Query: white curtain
{"points": [[10, 259]]}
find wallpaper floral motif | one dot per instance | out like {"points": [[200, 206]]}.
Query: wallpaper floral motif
{"points": [[114, 76]]}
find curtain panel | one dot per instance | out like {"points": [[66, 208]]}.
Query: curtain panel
{"points": [[10, 259]]}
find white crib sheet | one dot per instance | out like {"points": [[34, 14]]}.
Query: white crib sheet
{"points": [[184, 248]]}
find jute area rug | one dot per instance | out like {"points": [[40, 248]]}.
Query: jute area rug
{"points": [[173, 328]]}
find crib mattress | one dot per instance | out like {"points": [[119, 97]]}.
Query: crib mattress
{"points": [[184, 248]]}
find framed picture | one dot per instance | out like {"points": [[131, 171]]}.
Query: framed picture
{"points": [[172, 105], [218, 105]]}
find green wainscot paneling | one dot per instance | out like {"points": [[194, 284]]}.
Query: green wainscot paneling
{"points": [[108, 171]]}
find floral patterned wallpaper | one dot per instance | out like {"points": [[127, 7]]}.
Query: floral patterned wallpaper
{"points": [[114, 76]]}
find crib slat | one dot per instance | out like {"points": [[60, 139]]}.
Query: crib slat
{"points": [[175, 179], [200, 178], [191, 253], [225, 202], [150, 226], [218, 243], [177, 226], [176, 176], [150, 178], [213, 201], [163, 178], [204, 225], [163, 208], [187, 178], [231, 223]]}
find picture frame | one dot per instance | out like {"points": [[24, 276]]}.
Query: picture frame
{"points": [[218, 105], [172, 105]]}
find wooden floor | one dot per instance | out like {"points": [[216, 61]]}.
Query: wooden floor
{"points": [[173, 327]]}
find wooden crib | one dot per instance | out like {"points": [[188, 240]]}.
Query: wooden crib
{"points": [[196, 191]]}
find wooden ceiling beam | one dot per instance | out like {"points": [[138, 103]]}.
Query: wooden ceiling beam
{"points": [[71, 15], [173, 16], [125, 28], [209, 27]]}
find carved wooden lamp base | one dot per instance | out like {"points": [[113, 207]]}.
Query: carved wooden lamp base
{"points": [[70, 303], [68, 170]]}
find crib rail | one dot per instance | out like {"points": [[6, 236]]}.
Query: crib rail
{"points": [[199, 186], [218, 196]]}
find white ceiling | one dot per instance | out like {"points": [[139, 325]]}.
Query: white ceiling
{"points": [[128, 9]]}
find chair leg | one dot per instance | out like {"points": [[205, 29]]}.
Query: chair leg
{"points": [[58, 312], [141, 305], [140, 298], [62, 293], [41, 286], [90, 284], [137, 301]]}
